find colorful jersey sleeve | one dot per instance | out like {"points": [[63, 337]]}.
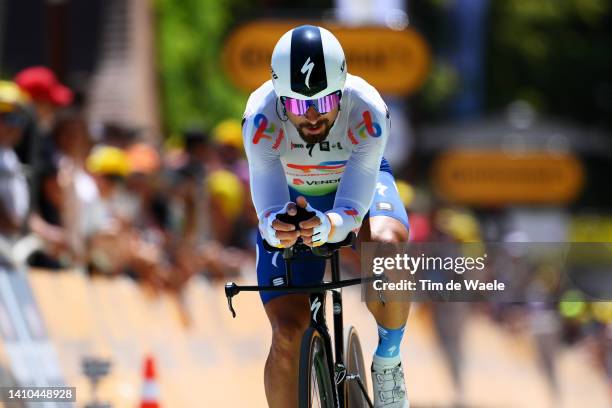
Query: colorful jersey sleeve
{"points": [[370, 125], [262, 137]]}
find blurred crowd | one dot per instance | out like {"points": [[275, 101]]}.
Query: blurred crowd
{"points": [[107, 198]]}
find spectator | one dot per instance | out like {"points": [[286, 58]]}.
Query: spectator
{"points": [[189, 196], [72, 142], [46, 92], [14, 195], [108, 166], [151, 215], [118, 135], [71, 137], [47, 96], [181, 260], [47, 224], [118, 247], [226, 204], [227, 137]]}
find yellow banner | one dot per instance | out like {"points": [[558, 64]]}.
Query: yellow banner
{"points": [[481, 177], [394, 62]]}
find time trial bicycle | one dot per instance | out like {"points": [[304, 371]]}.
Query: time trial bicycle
{"points": [[327, 377]]}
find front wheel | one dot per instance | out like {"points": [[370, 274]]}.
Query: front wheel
{"points": [[315, 381], [354, 395]]}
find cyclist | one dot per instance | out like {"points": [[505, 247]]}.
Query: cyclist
{"points": [[314, 137]]}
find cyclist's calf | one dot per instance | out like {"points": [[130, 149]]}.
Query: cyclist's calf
{"points": [[387, 230], [289, 317]]}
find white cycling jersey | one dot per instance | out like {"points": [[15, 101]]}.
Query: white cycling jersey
{"points": [[347, 162]]}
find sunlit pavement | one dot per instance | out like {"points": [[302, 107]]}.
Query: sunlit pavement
{"points": [[218, 361]]}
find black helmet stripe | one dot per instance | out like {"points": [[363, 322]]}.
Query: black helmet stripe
{"points": [[308, 75]]}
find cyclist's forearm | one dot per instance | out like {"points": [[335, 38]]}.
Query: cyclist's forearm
{"points": [[343, 221], [269, 189]]}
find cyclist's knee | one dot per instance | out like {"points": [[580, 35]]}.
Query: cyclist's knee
{"points": [[289, 317], [286, 334], [375, 306], [388, 230]]}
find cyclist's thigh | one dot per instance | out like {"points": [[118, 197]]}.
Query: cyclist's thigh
{"points": [[387, 203], [271, 271]]}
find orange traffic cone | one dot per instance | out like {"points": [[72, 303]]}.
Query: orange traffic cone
{"points": [[150, 390]]}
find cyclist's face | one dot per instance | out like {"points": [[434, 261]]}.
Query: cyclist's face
{"points": [[312, 126]]}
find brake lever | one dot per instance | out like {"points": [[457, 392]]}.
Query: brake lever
{"points": [[230, 290]]}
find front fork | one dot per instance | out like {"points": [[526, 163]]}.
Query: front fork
{"points": [[318, 320]]}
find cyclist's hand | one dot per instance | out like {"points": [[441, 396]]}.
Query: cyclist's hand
{"points": [[278, 233], [316, 230], [286, 233]]}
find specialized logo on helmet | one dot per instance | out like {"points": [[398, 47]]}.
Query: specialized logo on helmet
{"points": [[307, 69]]}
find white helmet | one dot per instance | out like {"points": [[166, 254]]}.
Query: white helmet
{"points": [[308, 63]]}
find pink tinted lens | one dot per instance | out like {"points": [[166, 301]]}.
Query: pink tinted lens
{"points": [[296, 106], [328, 103], [322, 105]]}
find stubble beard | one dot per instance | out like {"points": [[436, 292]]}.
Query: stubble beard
{"points": [[315, 138]]}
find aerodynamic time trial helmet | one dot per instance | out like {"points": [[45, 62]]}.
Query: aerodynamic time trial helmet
{"points": [[308, 63]]}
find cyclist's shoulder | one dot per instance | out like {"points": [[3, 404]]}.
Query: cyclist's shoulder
{"points": [[262, 128], [261, 101], [363, 96]]}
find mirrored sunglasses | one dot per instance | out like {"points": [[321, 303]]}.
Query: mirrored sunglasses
{"points": [[322, 105]]}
